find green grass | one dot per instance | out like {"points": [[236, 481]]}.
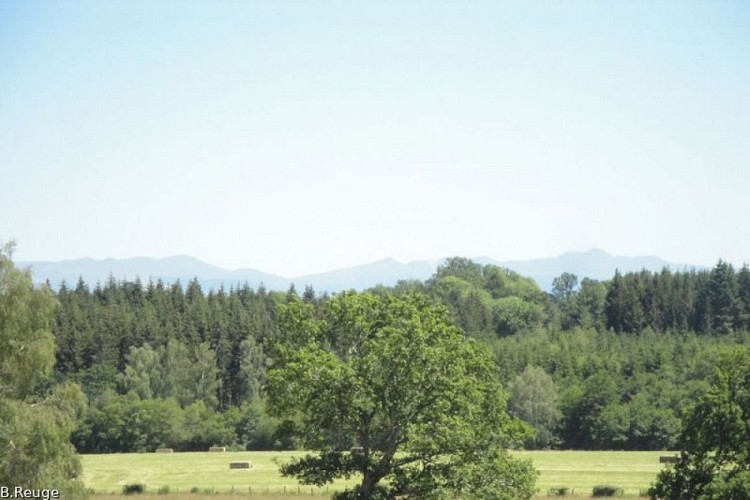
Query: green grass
{"points": [[183, 471], [579, 470], [632, 471]]}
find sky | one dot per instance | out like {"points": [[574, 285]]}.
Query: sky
{"points": [[298, 137]]}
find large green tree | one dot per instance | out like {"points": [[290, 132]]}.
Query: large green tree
{"points": [[35, 450], [715, 462], [387, 388]]}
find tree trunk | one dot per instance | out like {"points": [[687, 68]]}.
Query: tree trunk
{"points": [[368, 486]]}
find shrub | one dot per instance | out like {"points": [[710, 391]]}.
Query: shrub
{"points": [[130, 489], [164, 490], [195, 489], [606, 491], [558, 492]]}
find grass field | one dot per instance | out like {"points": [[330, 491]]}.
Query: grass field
{"points": [[632, 471], [185, 471], [209, 472]]}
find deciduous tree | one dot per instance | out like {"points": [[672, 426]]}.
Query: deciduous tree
{"points": [[387, 387], [715, 461], [35, 449]]}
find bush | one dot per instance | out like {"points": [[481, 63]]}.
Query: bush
{"points": [[558, 492], [195, 489], [164, 490], [606, 491], [130, 489]]}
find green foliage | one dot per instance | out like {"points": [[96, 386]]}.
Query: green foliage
{"points": [[125, 423], [26, 343], [582, 306], [391, 375], [733, 485], [186, 374], [96, 379], [592, 415], [461, 268], [163, 341], [203, 428], [563, 287], [255, 429], [252, 368], [35, 449], [489, 299], [653, 378], [534, 399], [35, 428], [714, 301], [143, 366], [491, 475], [512, 315], [172, 371], [715, 462]]}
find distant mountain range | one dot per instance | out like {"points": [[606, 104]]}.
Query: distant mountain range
{"points": [[595, 264]]}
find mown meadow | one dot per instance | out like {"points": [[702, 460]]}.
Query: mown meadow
{"points": [[580, 471]]}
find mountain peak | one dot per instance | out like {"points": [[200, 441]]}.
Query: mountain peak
{"points": [[594, 252], [598, 252]]}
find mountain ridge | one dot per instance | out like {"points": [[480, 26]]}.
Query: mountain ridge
{"points": [[594, 263]]}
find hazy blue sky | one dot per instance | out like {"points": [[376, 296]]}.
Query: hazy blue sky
{"points": [[304, 136]]}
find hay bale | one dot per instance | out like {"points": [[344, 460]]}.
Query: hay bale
{"points": [[240, 465], [220, 449], [164, 450]]}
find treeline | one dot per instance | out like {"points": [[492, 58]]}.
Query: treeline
{"points": [[588, 389], [580, 375], [715, 301], [168, 366], [605, 365], [119, 423], [97, 331], [490, 300]]}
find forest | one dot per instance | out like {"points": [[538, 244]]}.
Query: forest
{"points": [[589, 365]]}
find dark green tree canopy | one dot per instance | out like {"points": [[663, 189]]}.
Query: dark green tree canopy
{"points": [[387, 388]]}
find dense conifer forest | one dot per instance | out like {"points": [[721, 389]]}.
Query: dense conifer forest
{"points": [[590, 365]]}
